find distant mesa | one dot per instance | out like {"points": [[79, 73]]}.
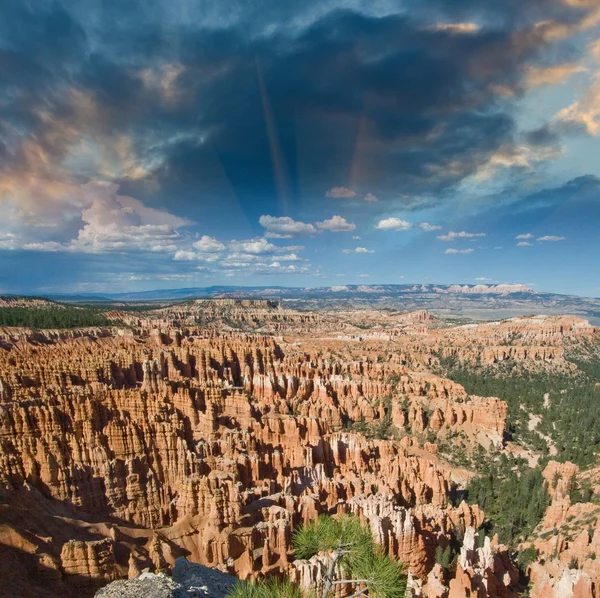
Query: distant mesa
{"points": [[481, 289]]}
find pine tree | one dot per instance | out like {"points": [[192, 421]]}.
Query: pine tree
{"points": [[351, 552]]}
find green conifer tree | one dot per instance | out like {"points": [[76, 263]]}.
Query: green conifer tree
{"points": [[354, 559]]}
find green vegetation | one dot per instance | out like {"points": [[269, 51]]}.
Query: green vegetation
{"points": [[381, 428], [567, 405], [581, 492], [126, 307], [52, 317], [574, 563], [513, 496], [271, 588], [456, 449], [446, 557], [559, 409], [526, 557], [351, 546]]}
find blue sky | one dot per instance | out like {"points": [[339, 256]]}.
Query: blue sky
{"points": [[173, 144]]}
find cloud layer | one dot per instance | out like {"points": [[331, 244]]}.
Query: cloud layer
{"points": [[205, 135]]}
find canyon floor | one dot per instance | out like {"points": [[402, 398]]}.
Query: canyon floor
{"points": [[211, 429]]}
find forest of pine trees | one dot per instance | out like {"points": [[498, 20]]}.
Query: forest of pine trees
{"points": [[513, 496], [567, 404], [51, 317]]}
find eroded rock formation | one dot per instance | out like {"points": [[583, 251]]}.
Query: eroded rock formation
{"points": [[154, 442]]}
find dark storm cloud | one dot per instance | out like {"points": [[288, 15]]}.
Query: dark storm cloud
{"points": [[577, 199], [409, 110], [574, 193], [397, 103], [382, 103], [542, 136], [505, 14]]}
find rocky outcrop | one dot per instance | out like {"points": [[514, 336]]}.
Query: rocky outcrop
{"points": [[567, 539], [188, 580], [89, 562], [549, 581], [484, 571]]}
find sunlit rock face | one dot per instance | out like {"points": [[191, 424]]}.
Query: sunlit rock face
{"points": [[132, 447]]}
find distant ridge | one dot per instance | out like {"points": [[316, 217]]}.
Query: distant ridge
{"points": [[455, 301], [298, 292]]}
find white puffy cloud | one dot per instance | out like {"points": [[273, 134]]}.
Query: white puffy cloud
{"points": [[289, 257], [336, 224], [8, 241], [524, 236], [244, 263], [524, 157], [551, 238], [358, 250], [260, 246], [98, 238], [340, 193], [584, 112], [393, 224], [550, 75], [245, 257], [41, 203], [208, 244], [208, 257], [138, 277], [232, 267], [254, 246], [457, 251], [276, 266], [285, 227], [451, 236], [184, 256], [107, 221], [524, 244], [429, 227], [239, 260], [119, 223], [370, 198], [44, 246]]}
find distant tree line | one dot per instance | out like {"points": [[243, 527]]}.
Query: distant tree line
{"points": [[51, 317]]}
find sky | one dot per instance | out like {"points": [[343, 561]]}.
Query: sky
{"points": [[155, 144]]}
